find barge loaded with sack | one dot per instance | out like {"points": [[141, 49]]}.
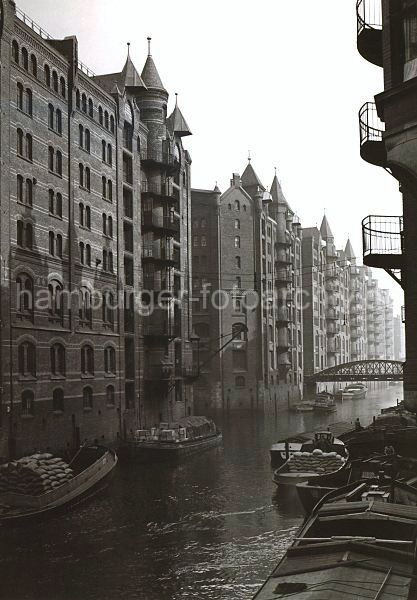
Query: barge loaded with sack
{"points": [[172, 441], [35, 486]]}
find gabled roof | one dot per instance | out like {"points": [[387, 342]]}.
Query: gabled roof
{"points": [[326, 232], [350, 254], [177, 124], [250, 179]]}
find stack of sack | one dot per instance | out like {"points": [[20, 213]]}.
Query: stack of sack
{"points": [[34, 475], [315, 462]]}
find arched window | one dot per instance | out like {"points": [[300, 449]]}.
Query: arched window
{"points": [[87, 360], [56, 303], [29, 236], [15, 52], [55, 81], [24, 295], [109, 154], [63, 87], [51, 156], [87, 140], [237, 205], [88, 255], [81, 175], [33, 65], [237, 223], [110, 396], [108, 307], [85, 310], [57, 355], [47, 73], [81, 135], [28, 403], [19, 147], [26, 359], [29, 147], [19, 96], [51, 112], [203, 223], [84, 103], [20, 228], [58, 400], [58, 245], [240, 381], [110, 227], [104, 187], [104, 223], [28, 101], [90, 108], [51, 243], [237, 241], [87, 398], [100, 115], [238, 331], [112, 123], [59, 163], [238, 282], [88, 217], [106, 119], [109, 360], [51, 202], [58, 121], [103, 150], [110, 190], [81, 214], [82, 252], [88, 178], [25, 59], [78, 99], [19, 188], [29, 192], [58, 205], [110, 257], [238, 262]]}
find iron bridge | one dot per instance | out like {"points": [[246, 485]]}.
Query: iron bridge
{"points": [[361, 370]]}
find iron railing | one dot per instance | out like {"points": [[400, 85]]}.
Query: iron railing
{"points": [[382, 235], [369, 15], [371, 128]]}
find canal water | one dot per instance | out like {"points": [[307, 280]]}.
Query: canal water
{"points": [[211, 528]]}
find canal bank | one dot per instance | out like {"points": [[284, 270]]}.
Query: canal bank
{"points": [[210, 528]]}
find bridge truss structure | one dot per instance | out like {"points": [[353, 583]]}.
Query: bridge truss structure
{"points": [[361, 370]]}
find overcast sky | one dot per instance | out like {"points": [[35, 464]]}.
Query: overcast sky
{"points": [[281, 78]]}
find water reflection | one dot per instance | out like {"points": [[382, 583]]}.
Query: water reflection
{"points": [[211, 528]]}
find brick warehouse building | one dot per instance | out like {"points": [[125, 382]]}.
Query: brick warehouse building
{"points": [[95, 205], [246, 242]]}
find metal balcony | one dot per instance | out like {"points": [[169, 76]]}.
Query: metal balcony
{"points": [[332, 314], [158, 157], [382, 242], [167, 222], [159, 253], [283, 339], [369, 31], [161, 189], [283, 314], [284, 276], [158, 325], [371, 130], [162, 371]]}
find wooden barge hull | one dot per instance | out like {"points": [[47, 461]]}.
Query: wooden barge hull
{"points": [[167, 451], [87, 484]]}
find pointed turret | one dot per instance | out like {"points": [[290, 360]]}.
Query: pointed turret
{"points": [[250, 180], [349, 253], [176, 122], [277, 193], [150, 75], [326, 232], [129, 76]]}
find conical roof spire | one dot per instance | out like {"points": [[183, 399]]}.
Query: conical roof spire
{"points": [[276, 191], [176, 121], [250, 179], [350, 254], [150, 73], [129, 76], [326, 232]]}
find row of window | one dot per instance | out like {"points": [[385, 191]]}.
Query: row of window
{"points": [[24, 99], [30, 64], [87, 107], [202, 223], [26, 353], [237, 205], [58, 400], [55, 119]]}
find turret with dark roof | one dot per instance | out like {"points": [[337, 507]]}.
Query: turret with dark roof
{"points": [[176, 122], [250, 181], [150, 75], [349, 252], [117, 82], [326, 232]]}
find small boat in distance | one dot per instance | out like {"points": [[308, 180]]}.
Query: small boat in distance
{"points": [[356, 391], [92, 468], [302, 407], [323, 455], [324, 403], [172, 441]]}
